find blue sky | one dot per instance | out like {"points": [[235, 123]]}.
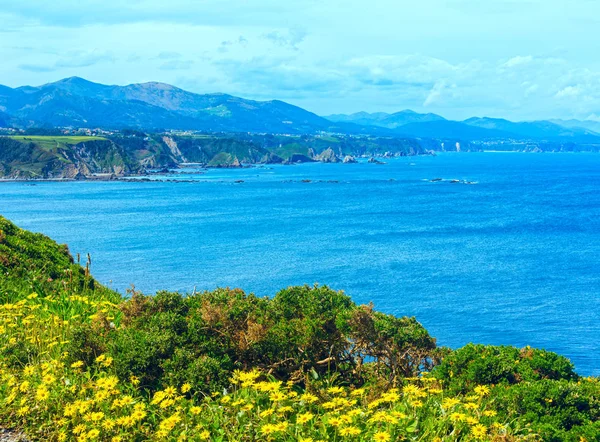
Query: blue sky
{"points": [[522, 60]]}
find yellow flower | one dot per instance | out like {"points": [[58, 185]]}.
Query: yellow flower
{"points": [[335, 421], [349, 431], [93, 433], [204, 435], [450, 402], [335, 390], [195, 410], [309, 398], [185, 388], [170, 391], [42, 393], [479, 431], [481, 390], [490, 413], [267, 412], [277, 396], [358, 392], [77, 364], [382, 436], [304, 418]]}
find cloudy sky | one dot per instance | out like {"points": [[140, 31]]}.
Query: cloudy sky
{"points": [[519, 59]]}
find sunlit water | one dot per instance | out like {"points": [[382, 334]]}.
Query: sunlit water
{"points": [[513, 259]]}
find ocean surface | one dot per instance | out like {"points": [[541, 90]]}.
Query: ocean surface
{"points": [[512, 259]]}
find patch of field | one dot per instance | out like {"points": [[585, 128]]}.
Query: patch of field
{"points": [[52, 142]]}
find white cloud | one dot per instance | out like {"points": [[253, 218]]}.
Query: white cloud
{"points": [[518, 61], [569, 92]]}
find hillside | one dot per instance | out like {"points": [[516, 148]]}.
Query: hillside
{"points": [[131, 153], [78, 360], [81, 103], [155, 107]]}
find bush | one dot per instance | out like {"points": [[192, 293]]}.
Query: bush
{"points": [[474, 365]]}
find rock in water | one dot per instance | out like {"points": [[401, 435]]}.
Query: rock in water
{"points": [[328, 156], [350, 159]]}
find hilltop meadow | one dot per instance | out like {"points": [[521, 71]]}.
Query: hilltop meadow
{"points": [[80, 362]]}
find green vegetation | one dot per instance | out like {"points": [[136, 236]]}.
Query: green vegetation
{"points": [[133, 152], [54, 142], [80, 362]]}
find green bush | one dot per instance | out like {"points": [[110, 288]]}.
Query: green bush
{"points": [[474, 365]]}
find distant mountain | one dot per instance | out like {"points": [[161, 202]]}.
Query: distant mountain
{"points": [[446, 129], [382, 119], [81, 103], [590, 125], [75, 102], [533, 129]]}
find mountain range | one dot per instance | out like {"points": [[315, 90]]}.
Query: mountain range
{"points": [[76, 102]]}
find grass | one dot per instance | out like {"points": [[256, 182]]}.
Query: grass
{"points": [[53, 142]]}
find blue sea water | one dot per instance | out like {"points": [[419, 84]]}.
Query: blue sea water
{"points": [[513, 259]]}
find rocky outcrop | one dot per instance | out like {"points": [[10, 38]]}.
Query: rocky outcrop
{"points": [[299, 158], [349, 159], [374, 160], [327, 156]]}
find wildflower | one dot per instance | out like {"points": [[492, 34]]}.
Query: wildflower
{"points": [[42, 393], [479, 431], [335, 421], [304, 418], [382, 436], [204, 435], [93, 433], [358, 392], [195, 410], [170, 391], [48, 379], [277, 396], [481, 390], [268, 429], [450, 402], [77, 364], [349, 431], [309, 398], [472, 420], [24, 386], [185, 388], [490, 413], [79, 429], [457, 417], [335, 390], [267, 412], [135, 381], [23, 411]]}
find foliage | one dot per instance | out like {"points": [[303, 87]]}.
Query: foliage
{"points": [[79, 362], [480, 364]]}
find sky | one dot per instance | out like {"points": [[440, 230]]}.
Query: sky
{"points": [[516, 59]]}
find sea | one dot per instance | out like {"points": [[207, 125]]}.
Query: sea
{"points": [[494, 248]]}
